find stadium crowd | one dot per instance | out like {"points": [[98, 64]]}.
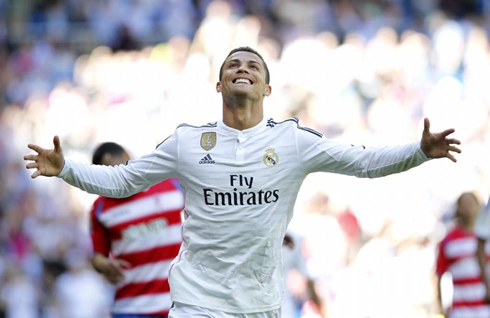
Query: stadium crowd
{"points": [[363, 72]]}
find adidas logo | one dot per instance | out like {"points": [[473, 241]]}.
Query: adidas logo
{"points": [[207, 160]]}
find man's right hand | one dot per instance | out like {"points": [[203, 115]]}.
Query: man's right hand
{"points": [[112, 269], [47, 162]]}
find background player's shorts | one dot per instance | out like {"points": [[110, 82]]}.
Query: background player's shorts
{"points": [[180, 310]]}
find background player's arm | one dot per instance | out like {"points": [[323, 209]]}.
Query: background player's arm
{"points": [[441, 268], [112, 269], [482, 262], [482, 232]]}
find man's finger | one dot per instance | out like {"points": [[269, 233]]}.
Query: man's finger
{"points": [[118, 272], [453, 141], [447, 132], [31, 165], [451, 157], [115, 270], [113, 278], [36, 148], [426, 125], [454, 149], [36, 174], [117, 267], [123, 264], [31, 157], [57, 144]]}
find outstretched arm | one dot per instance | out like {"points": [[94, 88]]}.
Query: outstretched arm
{"points": [[47, 162], [318, 153], [115, 182], [437, 145]]}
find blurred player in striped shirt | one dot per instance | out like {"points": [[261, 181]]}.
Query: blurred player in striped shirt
{"points": [[482, 231], [457, 255], [135, 240]]}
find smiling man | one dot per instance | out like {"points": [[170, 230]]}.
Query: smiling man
{"points": [[241, 176]]}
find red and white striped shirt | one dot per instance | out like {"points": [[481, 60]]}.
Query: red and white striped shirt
{"points": [[144, 230], [457, 255]]}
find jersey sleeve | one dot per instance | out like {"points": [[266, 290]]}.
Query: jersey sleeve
{"points": [[98, 233], [127, 179], [441, 263], [321, 154], [482, 226]]}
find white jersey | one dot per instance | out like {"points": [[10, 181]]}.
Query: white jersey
{"points": [[482, 225], [240, 189]]}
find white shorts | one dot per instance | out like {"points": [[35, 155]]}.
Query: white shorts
{"points": [[180, 310]]}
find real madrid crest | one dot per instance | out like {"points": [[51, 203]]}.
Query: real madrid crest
{"points": [[208, 140], [270, 158]]}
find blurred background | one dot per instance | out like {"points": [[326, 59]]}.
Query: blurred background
{"points": [[130, 71]]}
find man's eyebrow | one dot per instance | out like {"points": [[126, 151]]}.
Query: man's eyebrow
{"points": [[238, 61]]}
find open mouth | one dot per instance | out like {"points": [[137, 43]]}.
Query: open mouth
{"points": [[242, 81]]}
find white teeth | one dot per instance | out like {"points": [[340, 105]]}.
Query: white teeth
{"points": [[243, 80]]}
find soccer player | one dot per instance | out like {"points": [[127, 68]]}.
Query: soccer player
{"points": [[135, 240], [241, 176], [482, 231], [457, 255]]}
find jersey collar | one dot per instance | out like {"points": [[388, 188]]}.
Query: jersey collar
{"points": [[257, 129]]}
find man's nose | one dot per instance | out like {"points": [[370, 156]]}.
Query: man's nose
{"points": [[243, 68]]}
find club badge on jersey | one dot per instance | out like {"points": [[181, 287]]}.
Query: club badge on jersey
{"points": [[270, 158], [208, 140]]}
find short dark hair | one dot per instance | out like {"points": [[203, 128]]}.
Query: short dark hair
{"points": [[471, 194], [246, 49], [107, 148]]}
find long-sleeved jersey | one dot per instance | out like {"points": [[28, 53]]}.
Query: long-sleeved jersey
{"points": [[240, 188]]}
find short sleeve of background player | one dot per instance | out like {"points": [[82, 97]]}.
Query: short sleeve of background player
{"points": [[98, 233], [482, 226], [441, 264]]}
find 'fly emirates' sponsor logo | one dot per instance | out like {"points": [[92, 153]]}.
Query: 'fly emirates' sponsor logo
{"points": [[242, 194]]}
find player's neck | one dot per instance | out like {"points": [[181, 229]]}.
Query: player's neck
{"points": [[467, 225], [242, 117]]}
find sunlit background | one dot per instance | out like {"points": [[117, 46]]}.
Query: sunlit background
{"points": [[362, 72]]}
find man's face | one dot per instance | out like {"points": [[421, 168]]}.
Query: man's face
{"points": [[468, 207], [244, 75], [112, 160]]}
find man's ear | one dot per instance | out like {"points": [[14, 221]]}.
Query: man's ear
{"points": [[218, 87], [268, 90]]}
